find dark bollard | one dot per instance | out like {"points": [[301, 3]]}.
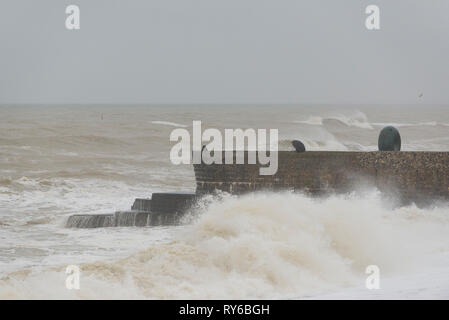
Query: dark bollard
{"points": [[299, 146], [389, 139]]}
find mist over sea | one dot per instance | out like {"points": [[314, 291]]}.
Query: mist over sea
{"points": [[56, 161]]}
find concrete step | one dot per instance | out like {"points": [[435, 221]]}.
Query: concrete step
{"points": [[162, 209], [91, 221], [171, 202], [142, 205]]}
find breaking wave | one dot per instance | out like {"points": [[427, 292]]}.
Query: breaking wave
{"points": [[168, 123], [418, 124], [314, 139], [358, 119], [313, 145], [277, 245]]}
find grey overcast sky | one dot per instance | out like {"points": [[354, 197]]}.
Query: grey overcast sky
{"points": [[224, 51]]}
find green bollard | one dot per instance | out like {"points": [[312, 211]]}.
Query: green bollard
{"points": [[389, 139]]}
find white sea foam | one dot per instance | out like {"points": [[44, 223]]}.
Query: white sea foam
{"points": [[79, 165], [417, 124], [260, 246], [358, 119], [314, 139], [171, 124], [313, 120]]}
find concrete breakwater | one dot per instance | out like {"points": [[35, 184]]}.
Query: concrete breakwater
{"points": [[410, 176], [121, 219], [161, 209], [406, 176]]}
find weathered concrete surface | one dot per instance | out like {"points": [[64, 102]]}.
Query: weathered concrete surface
{"points": [[131, 218], [162, 209], [415, 176], [171, 203], [123, 219], [410, 175], [141, 205], [91, 221]]}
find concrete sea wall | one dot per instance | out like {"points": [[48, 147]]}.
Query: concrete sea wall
{"points": [[409, 175]]}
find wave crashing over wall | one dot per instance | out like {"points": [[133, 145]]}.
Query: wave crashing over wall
{"points": [[261, 246]]}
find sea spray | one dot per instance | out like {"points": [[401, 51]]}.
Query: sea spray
{"points": [[263, 245]]}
